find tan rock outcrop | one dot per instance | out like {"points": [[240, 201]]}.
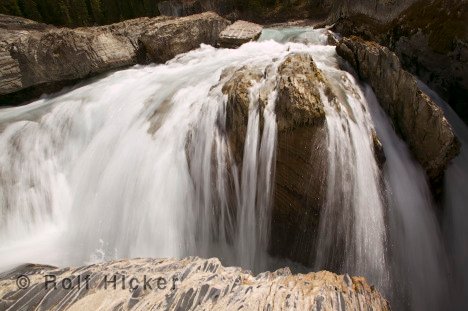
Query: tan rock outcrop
{"points": [[419, 120], [187, 284]]}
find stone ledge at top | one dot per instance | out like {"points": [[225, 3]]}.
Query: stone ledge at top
{"points": [[34, 54]]}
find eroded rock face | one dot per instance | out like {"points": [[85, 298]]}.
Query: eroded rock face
{"points": [[239, 33], [32, 54], [301, 159], [419, 120], [187, 284]]}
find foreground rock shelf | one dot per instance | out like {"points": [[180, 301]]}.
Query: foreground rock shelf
{"points": [[188, 284]]}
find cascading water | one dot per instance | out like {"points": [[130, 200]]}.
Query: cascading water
{"points": [[137, 163]]}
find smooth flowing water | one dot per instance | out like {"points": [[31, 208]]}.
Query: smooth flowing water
{"points": [[137, 164]]}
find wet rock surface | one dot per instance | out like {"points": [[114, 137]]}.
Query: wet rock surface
{"points": [[239, 33], [418, 119], [188, 284], [33, 54]]}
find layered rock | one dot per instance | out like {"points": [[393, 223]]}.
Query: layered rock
{"points": [[418, 119], [35, 54], [187, 284], [429, 37], [239, 33]]}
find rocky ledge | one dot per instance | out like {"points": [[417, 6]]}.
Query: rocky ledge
{"points": [[417, 118], [34, 54], [187, 284]]}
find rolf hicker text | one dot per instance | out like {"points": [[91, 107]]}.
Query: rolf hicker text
{"points": [[115, 281]]}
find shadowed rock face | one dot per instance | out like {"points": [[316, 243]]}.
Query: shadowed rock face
{"points": [[33, 54], [429, 37], [187, 284], [419, 120]]}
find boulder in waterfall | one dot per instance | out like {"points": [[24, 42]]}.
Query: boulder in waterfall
{"points": [[301, 159], [301, 163], [417, 118], [186, 284], [239, 33], [37, 55]]}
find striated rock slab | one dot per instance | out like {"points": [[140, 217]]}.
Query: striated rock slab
{"points": [[33, 54], [187, 284], [418, 119], [239, 33]]}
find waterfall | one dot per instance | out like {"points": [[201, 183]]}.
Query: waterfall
{"points": [[137, 163], [419, 265], [352, 220]]}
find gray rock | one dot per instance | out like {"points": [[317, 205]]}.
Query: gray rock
{"points": [[239, 33], [33, 54], [419, 120], [188, 284]]}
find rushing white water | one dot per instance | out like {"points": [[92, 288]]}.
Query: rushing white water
{"points": [[137, 163], [124, 166]]}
